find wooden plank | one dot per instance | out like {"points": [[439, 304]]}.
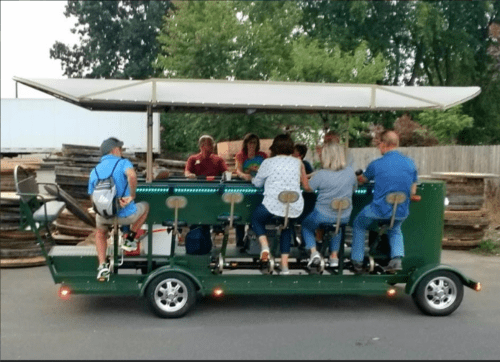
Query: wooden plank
{"points": [[22, 262]]}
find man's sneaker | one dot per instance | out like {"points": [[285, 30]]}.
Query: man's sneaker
{"points": [[129, 245], [333, 262], [357, 268], [315, 260], [284, 271], [394, 266], [103, 272]]}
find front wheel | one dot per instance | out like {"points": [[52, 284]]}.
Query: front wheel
{"points": [[439, 293], [171, 295]]}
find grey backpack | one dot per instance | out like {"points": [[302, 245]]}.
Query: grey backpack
{"points": [[103, 197]]}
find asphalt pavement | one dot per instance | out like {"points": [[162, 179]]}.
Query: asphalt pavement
{"points": [[36, 324]]}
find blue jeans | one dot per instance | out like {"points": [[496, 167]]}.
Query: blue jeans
{"points": [[311, 223], [261, 216], [361, 224]]}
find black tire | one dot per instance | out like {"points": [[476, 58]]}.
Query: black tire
{"points": [[171, 295], [439, 293]]}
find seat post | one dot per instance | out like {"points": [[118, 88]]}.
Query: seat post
{"points": [[176, 203], [395, 198], [341, 251]]}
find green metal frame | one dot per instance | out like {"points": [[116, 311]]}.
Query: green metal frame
{"points": [[422, 231]]}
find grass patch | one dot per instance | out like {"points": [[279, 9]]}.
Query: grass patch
{"points": [[488, 247]]}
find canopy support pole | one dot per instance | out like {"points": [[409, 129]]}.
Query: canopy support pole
{"points": [[149, 155], [346, 142]]}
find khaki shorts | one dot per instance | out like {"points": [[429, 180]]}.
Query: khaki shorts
{"points": [[102, 223]]}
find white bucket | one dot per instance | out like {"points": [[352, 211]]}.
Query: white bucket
{"points": [[162, 241]]}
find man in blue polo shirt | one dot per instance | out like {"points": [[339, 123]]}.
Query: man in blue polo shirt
{"points": [[129, 213], [393, 172]]}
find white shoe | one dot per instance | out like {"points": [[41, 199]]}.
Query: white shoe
{"points": [[129, 245], [284, 271], [314, 260], [103, 272], [333, 262]]}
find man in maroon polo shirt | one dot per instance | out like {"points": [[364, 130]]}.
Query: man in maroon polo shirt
{"points": [[205, 163]]}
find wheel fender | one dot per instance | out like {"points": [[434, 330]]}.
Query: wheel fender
{"points": [[168, 268], [420, 273]]}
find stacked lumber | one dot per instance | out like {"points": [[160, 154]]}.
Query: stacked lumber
{"points": [[173, 167], [72, 176], [17, 247], [466, 219]]}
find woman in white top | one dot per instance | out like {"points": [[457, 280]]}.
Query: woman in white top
{"points": [[281, 172]]}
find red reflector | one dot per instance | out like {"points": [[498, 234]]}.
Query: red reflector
{"points": [[64, 292]]}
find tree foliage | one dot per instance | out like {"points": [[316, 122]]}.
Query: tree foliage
{"points": [[254, 41], [442, 43], [117, 39], [446, 125]]}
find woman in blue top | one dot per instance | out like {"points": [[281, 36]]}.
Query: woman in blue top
{"points": [[334, 181]]}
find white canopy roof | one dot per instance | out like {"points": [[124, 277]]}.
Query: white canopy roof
{"points": [[247, 96]]}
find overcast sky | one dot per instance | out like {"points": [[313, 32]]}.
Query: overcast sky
{"points": [[28, 31]]}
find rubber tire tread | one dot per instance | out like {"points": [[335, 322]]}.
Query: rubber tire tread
{"points": [[191, 298], [419, 294]]}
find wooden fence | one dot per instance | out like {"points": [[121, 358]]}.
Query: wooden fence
{"points": [[478, 159]]}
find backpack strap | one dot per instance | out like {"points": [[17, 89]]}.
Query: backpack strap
{"points": [[126, 179], [111, 175]]}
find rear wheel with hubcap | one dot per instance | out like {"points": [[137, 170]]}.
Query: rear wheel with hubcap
{"points": [[439, 293], [171, 295]]}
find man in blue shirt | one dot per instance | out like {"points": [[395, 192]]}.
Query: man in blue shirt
{"points": [[393, 172], [129, 213]]}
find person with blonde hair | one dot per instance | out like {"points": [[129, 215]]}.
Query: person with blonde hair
{"points": [[336, 180]]}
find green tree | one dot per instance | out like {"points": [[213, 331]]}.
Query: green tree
{"points": [[253, 41], [446, 125], [426, 42], [117, 39], [199, 40], [313, 63]]}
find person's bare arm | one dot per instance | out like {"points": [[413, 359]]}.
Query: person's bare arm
{"points": [[132, 182], [414, 189], [362, 179], [239, 167], [187, 171], [303, 179]]}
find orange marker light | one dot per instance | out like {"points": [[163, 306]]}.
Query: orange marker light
{"points": [[64, 292], [391, 292], [415, 198], [218, 292]]}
